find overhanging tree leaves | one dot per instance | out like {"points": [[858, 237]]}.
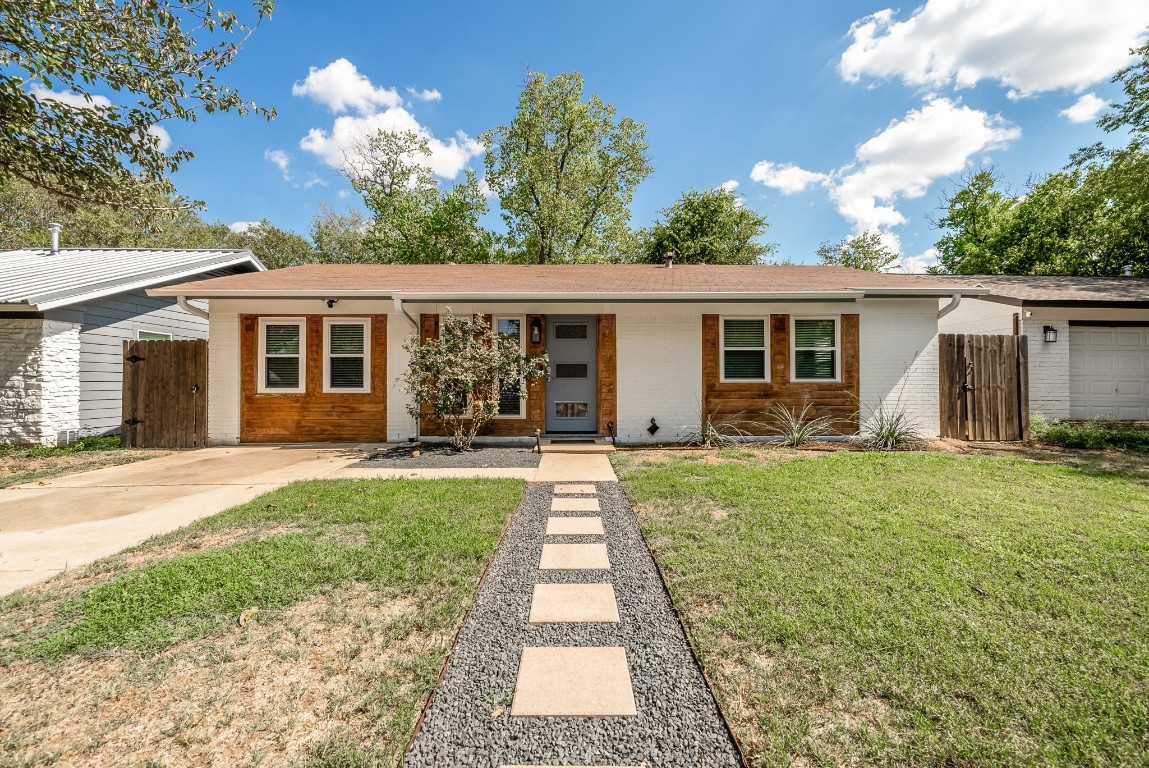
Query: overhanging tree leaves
{"points": [[565, 171], [711, 227], [84, 84]]}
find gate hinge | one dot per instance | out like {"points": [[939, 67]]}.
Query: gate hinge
{"points": [[133, 422], [195, 388], [134, 358]]}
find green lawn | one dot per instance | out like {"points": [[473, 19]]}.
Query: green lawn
{"points": [[359, 586], [910, 608]]}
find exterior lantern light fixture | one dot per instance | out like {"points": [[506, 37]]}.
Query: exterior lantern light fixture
{"points": [[1050, 333], [536, 330]]}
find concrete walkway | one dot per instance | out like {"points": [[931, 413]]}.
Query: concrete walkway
{"points": [[572, 654], [74, 520], [553, 468]]}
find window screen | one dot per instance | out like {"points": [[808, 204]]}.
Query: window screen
{"points": [[282, 359], [744, 349], [347, 356], [815, 349], [153, 336]]}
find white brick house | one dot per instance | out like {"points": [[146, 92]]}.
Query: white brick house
{"points": [[630, 346], [1088, 339], [64, 315]]}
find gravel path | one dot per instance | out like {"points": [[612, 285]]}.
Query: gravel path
{"points": [[678, 723], [445, 457]]}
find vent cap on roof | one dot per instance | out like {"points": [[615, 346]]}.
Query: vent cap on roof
{"points": [[55, 228]]}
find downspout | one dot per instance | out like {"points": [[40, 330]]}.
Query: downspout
{"points": [[182, 301], [951, 306], [403, 310]]}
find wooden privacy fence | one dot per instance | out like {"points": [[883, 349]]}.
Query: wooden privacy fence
{"points": [[984, 386], [165, 394]]}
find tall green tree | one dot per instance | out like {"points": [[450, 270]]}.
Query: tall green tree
{"points": [[975, 216], [864, 251], [276, 248], [710, 227], [341, 237], [565, 170], [414, 220], [62, 62]]}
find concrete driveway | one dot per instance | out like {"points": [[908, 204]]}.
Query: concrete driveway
{"points": [[72, 521]]}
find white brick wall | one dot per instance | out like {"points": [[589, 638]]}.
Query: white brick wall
{"points": [[659, 374], [400, 425], [20, 380], [1048, 368], [223, 378], [899, 360]]}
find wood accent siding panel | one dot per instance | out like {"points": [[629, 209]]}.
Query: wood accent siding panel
{"points": [[315, 415], [748, 402], [607, 373], [535, 416]]}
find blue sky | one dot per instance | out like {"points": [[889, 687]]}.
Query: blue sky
{"points": [[831, 117]]}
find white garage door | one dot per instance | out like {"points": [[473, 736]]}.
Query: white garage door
{"points": [[1109, 372]]}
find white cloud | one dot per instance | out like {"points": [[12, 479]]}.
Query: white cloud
{"points": [[1084, 110], [427, 94], [343, 194], [917, 265], [446, 159], [341, 87], [280, 160], [161, 134], [899, 163], [1028, 46], [789, 179], [313, 181], [240, 227], [730, 185]]}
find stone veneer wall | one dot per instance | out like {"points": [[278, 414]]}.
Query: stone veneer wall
{"points": [[39, 381]]}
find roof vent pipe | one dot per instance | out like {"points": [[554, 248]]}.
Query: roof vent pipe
{"points": [[1127, 270], [668, 259], [55, 228]]}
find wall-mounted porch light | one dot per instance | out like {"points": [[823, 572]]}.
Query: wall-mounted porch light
{"points": [[1050, 333], [331, 303], [536, 330]]}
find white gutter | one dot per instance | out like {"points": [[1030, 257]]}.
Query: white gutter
{"points": [[954, 301], [402, 310], [182, 301]]}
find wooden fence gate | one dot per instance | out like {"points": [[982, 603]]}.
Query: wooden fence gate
{"points": [[984, 386], [165, 394]]}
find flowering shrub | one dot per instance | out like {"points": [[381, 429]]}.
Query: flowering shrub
{"points": [[460, 375]]}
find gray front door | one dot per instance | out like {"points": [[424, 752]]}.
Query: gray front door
{"points": [[572, 390]]}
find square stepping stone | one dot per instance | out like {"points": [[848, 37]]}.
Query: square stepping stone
{"points": [[574, 526], [574, 505], [571, 766], [574, 557], [575, 488], [573, 682], [559, 603]]}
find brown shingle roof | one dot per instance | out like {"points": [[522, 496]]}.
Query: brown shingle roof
{"points": [[555, 280], [1029, 289]]}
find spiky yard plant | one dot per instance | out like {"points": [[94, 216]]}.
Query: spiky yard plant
{"points": [[798, 427], [890, 427]]}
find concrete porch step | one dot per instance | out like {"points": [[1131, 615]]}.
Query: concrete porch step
{"points": [[576, 445]]}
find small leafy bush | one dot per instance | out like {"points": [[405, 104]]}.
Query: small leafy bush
{"points": [[797, 427], [888, 428], [83, 445], [1095, 434]]}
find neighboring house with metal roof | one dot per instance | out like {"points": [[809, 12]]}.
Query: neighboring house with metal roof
{"points": [[1088, 339], [316, 352], [64, 315]]}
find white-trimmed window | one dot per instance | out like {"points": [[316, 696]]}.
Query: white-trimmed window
{"points": [[745, 348], [814, 349], [142, 335], [282, 351], [346, 354], [511, 329]]}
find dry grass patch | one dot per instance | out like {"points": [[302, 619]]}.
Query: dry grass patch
{"points": [[24, 464], [272, 691]]}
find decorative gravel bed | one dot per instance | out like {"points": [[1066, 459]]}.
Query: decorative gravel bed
{"points": [[678, 723], [446, 457]]}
